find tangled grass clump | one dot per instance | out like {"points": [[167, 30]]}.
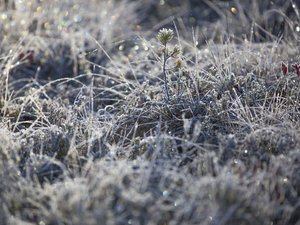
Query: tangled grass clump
{"points": [[104, 121]]}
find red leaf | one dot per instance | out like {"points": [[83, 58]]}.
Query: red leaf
{"points": [[297, 68], [284, 68], [21, 56], [29, 55]]}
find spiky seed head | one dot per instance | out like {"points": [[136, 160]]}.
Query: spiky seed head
{"points": [[179, 63], [176, 51], [165, 35]]}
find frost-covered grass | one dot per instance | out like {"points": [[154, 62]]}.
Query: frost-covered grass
{"points": [[88, 134]]}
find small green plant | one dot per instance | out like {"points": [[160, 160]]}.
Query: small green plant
{"points": [[165, 36]]}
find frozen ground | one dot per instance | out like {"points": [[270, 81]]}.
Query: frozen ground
{"points": [[88, 135]]}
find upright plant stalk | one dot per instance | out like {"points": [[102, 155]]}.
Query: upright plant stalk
{"points": [[165, 72], [164, 36]]}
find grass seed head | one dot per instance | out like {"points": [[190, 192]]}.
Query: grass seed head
{"points": [[165, 36]]}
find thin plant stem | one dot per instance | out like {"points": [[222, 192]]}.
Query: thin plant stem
{"points": [[165, 72]]}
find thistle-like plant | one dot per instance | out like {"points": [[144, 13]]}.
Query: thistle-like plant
{"points": [[165, 36]]}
